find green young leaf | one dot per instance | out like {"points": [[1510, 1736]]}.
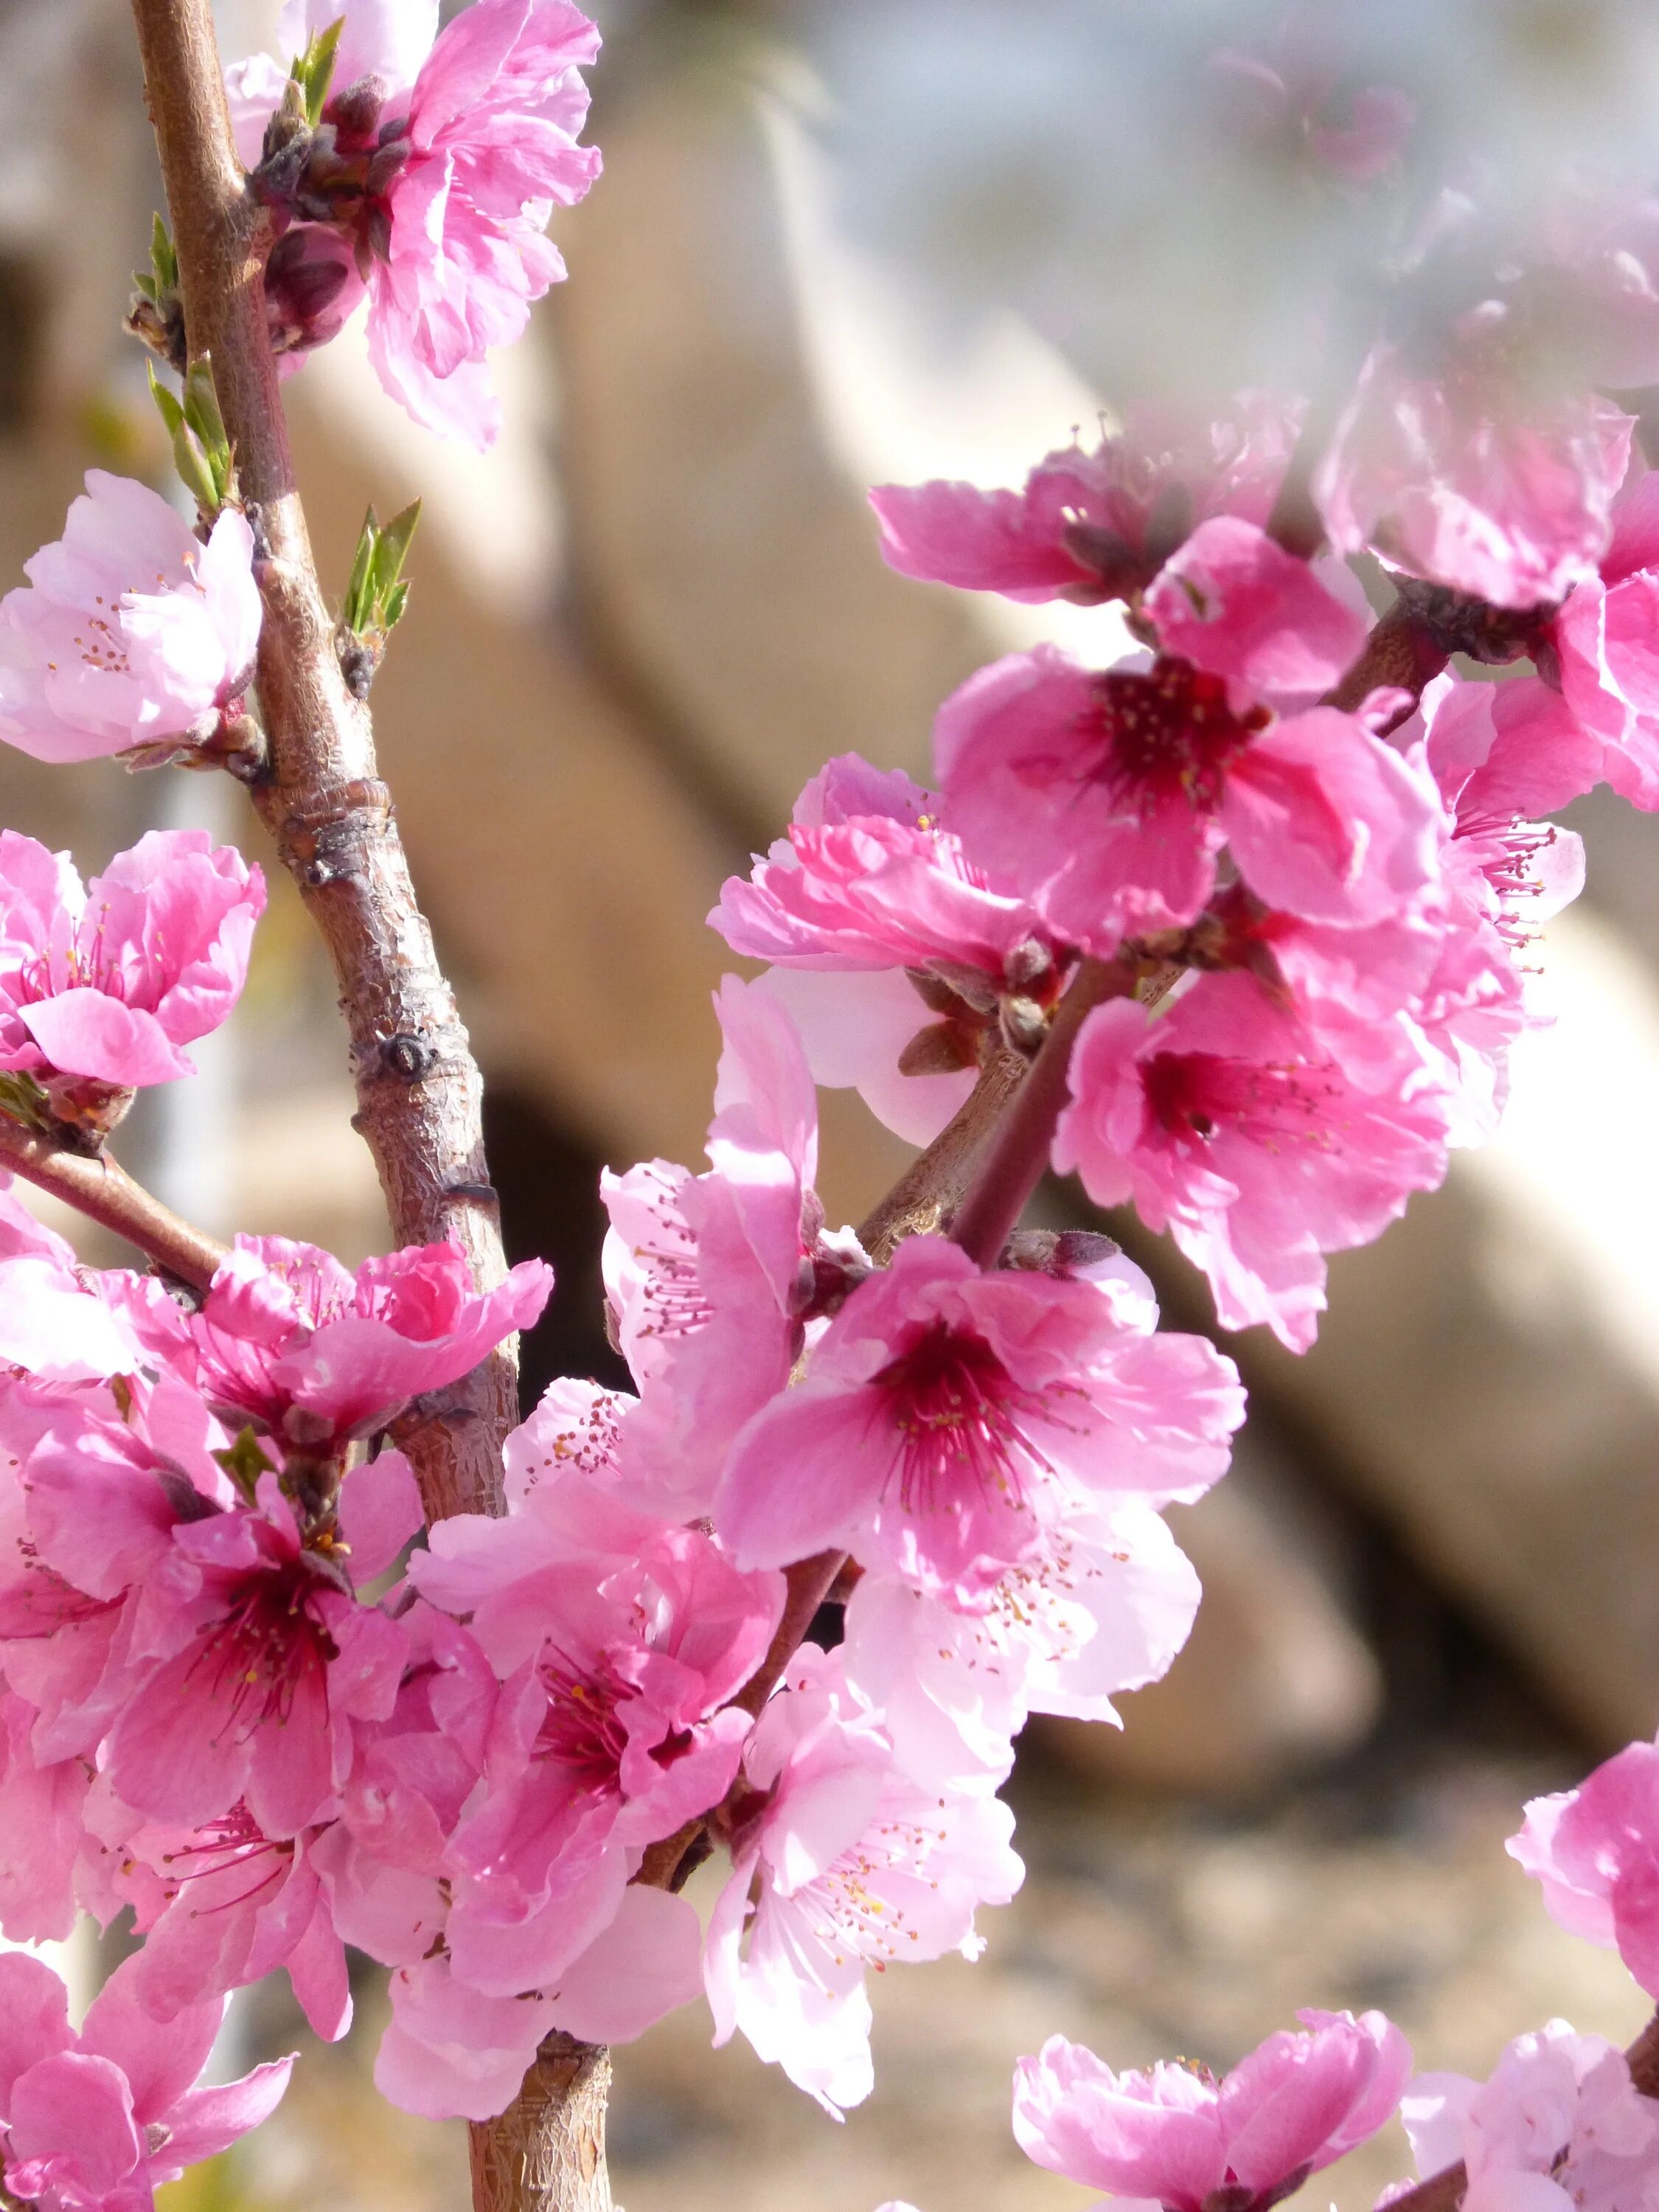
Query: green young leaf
{"points": [[375, 595], [166, 406], [244, 1462], [202, 407], [313, 70], [195, 473], [357, 601], [395, 600], [163, 259]]}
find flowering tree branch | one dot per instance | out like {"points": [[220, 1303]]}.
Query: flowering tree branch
{"points": [[931, 1187], [419, 1093], [99, 1188]]}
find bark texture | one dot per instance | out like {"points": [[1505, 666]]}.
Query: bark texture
{"points": [[546, 2152]]}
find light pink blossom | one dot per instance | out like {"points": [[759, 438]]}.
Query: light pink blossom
{"points": [[289, 1339], [709, 1276], [491, 140], [1559, 2125], [52, 1322], [1090, 525], [110, 982], [94, 2122], [951, 1417], [844, 1865], [129, 631], [1603, 639], [1228, 1122], [1176, 2134], [384, 41], [1107, 797]]}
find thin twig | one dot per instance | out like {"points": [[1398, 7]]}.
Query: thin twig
{"points": [[1011, 1167], [1399, 655], [105, 1193]]}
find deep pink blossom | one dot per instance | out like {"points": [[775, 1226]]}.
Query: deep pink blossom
{"points": [[129, 631], [1596, 1853], [94, 2122], [709, 1276], [291, 1340], [491, 140], [1559, 2125], [1176, 2134], [618, 1640], [1107, 797], [110, 982], [951, 1417], [1226, 1121], [260, 1662], [1233, 602], [846, 1864], [1090, 525]]}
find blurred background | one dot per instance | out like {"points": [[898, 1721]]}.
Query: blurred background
{"points": [[838, 242]]}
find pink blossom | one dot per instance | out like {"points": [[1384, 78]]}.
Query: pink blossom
{"points": [[108, 982], [1462, 478], [53, 1324], [289, 1339], [1228, 1122], [451, 2051], [260, 1662], [618, 1641], [709, 1276], [1106, 798], [1090, 526], [220, 1905], [129, 631], [1558, 2125], [1234, 602], [1603, 639], [845, 1864], [1290, 109], [491, 139], [382, 40], [1104, 1607], [1176, 2134], [1596, 1853], [41, 1842], [951, 1417], [868, 1032], [94, 2122]]}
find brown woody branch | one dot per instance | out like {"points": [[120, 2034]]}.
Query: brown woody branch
{"points": [[419, 1093], [931, 1187], [105, 1193]]}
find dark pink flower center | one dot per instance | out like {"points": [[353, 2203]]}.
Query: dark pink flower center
{"points": [[1271, 1103], [960, 1418], [1163, 736], [580, 1728], [269, 1645]]}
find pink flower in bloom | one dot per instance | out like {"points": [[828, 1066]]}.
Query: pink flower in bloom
{"points": [[382, 40], [1596, 1850], [844, 1865], [1226, 1121], [1107, 797], [289, 1339], [1178, 2136], [1559, 2126], [618, 1640], [491, 140], [1463, 479], [1090, 526], [1604, 639], [450, 2051], [51, 1324], [94, 2122], [1290, 109], [951, 1417], [129, 631], [1102, 1608], [261, 1661], [709, 1276], [109, 982]]}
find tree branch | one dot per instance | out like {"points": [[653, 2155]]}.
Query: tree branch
{"points": [[105, 1193], [1400, 653], [931, 1187], [1010, 1170], [419, 1093]]}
